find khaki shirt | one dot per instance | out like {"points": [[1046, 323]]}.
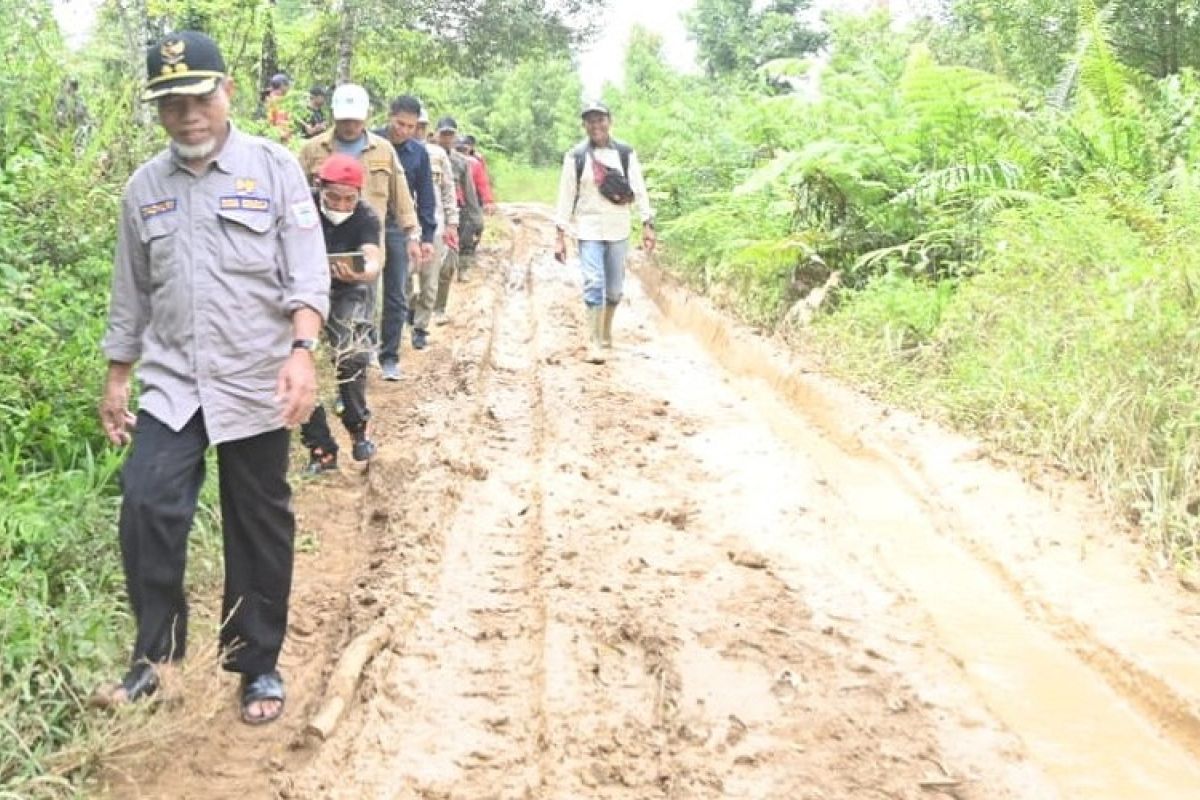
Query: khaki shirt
{"points": [[597, 218], [386, 189], [209, 270], [443, 185]]}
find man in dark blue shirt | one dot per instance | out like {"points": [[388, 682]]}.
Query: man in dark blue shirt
{"points": [[401, 131]]}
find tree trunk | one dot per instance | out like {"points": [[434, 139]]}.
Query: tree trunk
{"points": [[134, 21], [349, 10], [269, 61]]}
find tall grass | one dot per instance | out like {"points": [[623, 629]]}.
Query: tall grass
{"points": [[1076, 343], [520, 183]]}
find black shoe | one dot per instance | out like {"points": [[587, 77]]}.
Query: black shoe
{"points": [[420, 339], [364, 449], [320, 461]]}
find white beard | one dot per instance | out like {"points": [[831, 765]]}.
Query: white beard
{"points": [[192, 152]]}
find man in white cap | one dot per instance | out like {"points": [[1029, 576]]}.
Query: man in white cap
{"points": [[386, 188], [601, 181]]}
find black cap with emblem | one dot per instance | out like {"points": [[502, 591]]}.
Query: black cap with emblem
{"points": [[186, 62]]}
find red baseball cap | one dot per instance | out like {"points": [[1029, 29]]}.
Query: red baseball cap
{"points": [[341, 168]]}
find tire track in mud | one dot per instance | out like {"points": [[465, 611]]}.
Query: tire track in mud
{"points": [[1054, 678], [679, 664], [453, 709]]}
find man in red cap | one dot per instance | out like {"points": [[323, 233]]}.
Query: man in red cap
{"points": [[219, 288], [351, 230]]}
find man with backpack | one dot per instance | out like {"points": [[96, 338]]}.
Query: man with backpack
{"points": [[601, 178]]}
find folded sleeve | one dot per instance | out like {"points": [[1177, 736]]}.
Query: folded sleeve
{"points": [[129, 303], [568, 187], [305, 265], [637, 182]]}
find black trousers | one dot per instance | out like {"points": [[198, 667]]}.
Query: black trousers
{"points": [[161, 482], [348, 332], [470, 232]]}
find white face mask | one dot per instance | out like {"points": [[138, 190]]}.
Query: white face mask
{"points": [[336, 217]]}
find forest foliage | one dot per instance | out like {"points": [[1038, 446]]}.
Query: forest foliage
{"points": [[1006, 195]]}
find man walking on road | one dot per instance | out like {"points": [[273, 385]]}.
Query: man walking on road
{"points": [[601, 178], [470, 216], [386, 189], [401, 133], [351, 230], [483, 178], [218, 292], [433, 302], [483, 192]]}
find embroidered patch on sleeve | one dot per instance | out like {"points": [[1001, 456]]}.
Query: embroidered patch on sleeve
{"points": [[305, 214], [239, 203], [158, 208]]}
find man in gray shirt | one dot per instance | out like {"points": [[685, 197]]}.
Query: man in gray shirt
{"points": [[219, 291]]}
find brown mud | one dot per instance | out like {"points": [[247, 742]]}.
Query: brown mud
{"points": [[701, 570]]}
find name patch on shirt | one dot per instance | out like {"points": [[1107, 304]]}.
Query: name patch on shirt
{"points": [[239, 203], [158, 208]]}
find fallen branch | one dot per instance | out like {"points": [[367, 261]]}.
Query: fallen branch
{"points": [[344, 680]]}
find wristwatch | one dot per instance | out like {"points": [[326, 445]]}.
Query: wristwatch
{"points": [[414, 237], [305, 344]]}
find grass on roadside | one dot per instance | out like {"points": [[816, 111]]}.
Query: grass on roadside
{"points": [[1076, 343], [64, 621], [520, 183]]}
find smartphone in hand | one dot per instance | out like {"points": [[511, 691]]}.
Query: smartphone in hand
{"points": [[355, 261]]}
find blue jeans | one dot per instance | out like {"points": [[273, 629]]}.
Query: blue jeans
{"points": [[603, 265], [395, 295]]}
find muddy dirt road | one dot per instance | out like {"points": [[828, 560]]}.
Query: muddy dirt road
{"points": [[698, 571]]}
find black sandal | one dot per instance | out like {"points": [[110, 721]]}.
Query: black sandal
{"points": [[139, 683], [268, 686]]}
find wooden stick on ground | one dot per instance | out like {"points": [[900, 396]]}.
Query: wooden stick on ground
{"points": [[346, 674]]}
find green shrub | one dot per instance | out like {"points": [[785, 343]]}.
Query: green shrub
{"points": [[1076, 342]]}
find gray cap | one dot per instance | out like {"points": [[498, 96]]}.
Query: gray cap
{"points": [[595, 107]]}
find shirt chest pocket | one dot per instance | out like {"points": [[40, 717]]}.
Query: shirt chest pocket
{"points": [[248, 241], [379, 179], [162, 249]]}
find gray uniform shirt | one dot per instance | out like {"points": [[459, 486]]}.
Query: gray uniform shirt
{"points": [[209, 269]]}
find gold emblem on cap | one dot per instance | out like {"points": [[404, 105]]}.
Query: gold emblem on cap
{"points": [[172, 50], [172, 56]]}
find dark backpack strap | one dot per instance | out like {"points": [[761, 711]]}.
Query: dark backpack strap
{"points": [[624, 151], [580, 153]]}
